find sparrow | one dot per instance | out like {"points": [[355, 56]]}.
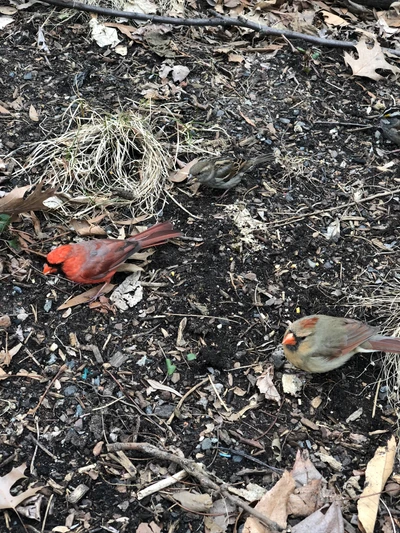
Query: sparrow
{"points": [[96, 261], [390, 126], [320, 343], [224, 173]]}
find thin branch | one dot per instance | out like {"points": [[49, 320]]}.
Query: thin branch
{"points": [[197, 471], [225, 22], [296, 218]]}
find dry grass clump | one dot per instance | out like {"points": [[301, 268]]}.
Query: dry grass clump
{"points": [[385, 304], [104, 160]]}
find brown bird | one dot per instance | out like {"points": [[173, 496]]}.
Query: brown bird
{"points": [[320, 343], [224, 172], [96, 261], [390, 126]]}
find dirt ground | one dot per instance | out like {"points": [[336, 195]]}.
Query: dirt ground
{"points": [[231, 296]]}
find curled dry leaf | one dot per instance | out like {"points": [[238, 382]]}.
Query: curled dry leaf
{"points": [[7, 500], [378, 470], [267, 387], [24, 199], [200, 503], [320, 521]]}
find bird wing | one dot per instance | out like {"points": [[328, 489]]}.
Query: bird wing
{"points": [[108, 255], [356, 333]]}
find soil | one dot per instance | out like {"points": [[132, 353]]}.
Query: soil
{"points": [[232, 298]]}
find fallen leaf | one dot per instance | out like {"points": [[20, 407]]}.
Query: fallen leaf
{"points": [[156, 385], [147, 528], [83, 228], [320, 522], [24, 199], [369, 60], [200, 503], [85, 297], [266, 385], [377, 472], [333, 20], [181, 175], [33, 114], [273, 504], [220, 516], [7, 501]]}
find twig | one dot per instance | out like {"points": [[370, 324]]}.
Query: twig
{"points": [[181, 206], [182, 400], [225, 22], [330, 209], [218, 395], [43, 396], [197, 471], [251, 458], [44, 449]]}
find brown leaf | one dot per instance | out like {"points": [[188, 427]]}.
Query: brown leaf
{"points": [[33, 114], [24, 199], [273, 504], [7, 501], [85, 297], [182, 173], [320, 522], [84, 228], [377, 472], [369, 60]]}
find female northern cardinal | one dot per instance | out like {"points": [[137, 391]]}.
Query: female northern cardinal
{"points": [[97, 261], [319, 343]]}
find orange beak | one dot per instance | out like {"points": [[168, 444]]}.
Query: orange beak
{"points": [[49, 270], [289, 338]]}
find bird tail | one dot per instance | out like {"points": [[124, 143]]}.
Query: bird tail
{"points": [[156, 235], [385, 344]]}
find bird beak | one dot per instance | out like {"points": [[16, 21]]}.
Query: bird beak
{"points": [[289, 339], [48, 269]]}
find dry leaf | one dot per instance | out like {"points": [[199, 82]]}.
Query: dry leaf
{"points": [[273, 504], [181, 174], [369, 59], [200, 503], [83, 228], [156, 385], [33, 114], [378, 470], [320, 522], [7, 501], [24, 199], [220, 516], [267, 387], [147, 528], [85, 297], [333, 20]]}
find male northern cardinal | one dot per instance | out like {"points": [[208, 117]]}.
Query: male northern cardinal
{"points": [[319, 343], [224, 173], [96, 261]]}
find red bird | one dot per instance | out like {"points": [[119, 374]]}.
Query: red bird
{"points": [[319, 343], [97, 261]]}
